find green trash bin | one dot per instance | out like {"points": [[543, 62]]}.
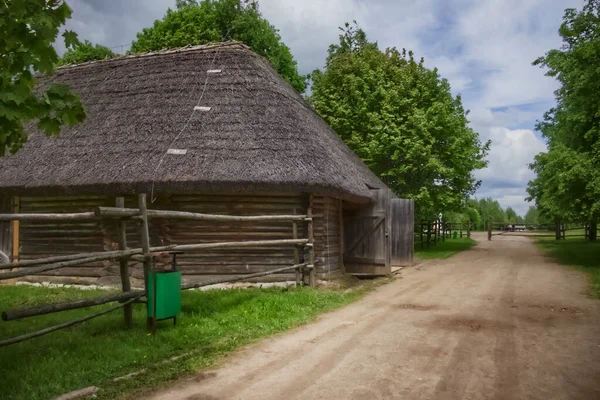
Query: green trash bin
{"points": [[164, 294], [454, 235]]}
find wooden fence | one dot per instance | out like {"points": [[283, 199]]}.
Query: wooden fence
{"points": [[558, 230], [142, 216], [431, 232]]}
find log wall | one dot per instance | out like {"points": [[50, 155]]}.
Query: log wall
{"points": [[5, 231], [44, 239]]}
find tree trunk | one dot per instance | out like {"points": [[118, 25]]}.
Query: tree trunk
{"points": [[593, 230]]}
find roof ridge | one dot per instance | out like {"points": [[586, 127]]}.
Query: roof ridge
{"points": [[199, 47]]}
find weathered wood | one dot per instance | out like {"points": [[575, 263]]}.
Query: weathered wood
{"points": [[48, 217], [489, 231], [124, 263], [16, 230], [79, 394], [241, 277], [341, 234], [11, 315], [145, 236], [64, 325], [296, 250], [312, 278], [173, 215]]}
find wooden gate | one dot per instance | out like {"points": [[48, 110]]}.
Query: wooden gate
{"points": [[402, 235], [367, 237]]}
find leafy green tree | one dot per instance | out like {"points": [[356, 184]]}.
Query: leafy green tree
{"points": [[28, 28], [567, 185], [86, 51], [402, 121], [200, 22]]}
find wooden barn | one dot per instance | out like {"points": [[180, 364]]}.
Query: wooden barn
{"points": [[210, 129]]}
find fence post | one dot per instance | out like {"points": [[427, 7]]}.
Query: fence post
{"points": [[123, 264], [145, 235], [468, 229], [296, 251], [311, 250], [489, 230]]}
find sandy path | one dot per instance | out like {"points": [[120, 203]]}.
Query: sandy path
{"points": [[495, 322]]}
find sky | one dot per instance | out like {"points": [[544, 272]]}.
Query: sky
{"points": [[483, 47]]}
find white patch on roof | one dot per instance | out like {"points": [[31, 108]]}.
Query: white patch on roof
{"points": [[213, 71], [178, 152], [201, 108]]}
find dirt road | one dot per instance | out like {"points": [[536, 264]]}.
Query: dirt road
{"points": [[496, 322]]}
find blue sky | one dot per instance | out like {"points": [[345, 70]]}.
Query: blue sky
{"points": [[483, 47]]}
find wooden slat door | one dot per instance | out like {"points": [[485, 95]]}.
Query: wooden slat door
{"points": [[5, 231], [367, 237], [402, 236]]}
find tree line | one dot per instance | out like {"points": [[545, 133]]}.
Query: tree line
{"points": [[567, 183]]}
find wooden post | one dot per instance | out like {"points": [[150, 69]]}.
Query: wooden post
{"points": [[557, 231], [123, 264], [296, 250], [421, 241], [428, 233], [468, 229], [16, 226], [145, 235], [461, 229], [312, 273], [341, 221], [489, 231]]}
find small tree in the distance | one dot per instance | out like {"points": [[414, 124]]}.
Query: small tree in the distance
{"points": [[86, 51]]}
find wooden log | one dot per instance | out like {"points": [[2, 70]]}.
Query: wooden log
{"points": [[124, 264], [48, 217], [11, 315], [64, 325], [241, 277], [296, 250], [84, 393], [312, 278], [145, 237], [113, 212]]}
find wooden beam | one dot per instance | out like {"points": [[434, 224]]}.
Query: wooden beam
{"points": [[112, 212], [65, 325], [124, 264], [16, 231], [312, 273], [48, 217], [11, 315]]}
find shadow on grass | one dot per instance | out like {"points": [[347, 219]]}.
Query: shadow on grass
{"points": [[444, 249], [578, 253]]}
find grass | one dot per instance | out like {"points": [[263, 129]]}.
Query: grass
{"points": [[577, 253], [445, 249], [212, 323]]}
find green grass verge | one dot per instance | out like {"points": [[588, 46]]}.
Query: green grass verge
{"points": [[212, 323], [577, 253], [444, 249]]}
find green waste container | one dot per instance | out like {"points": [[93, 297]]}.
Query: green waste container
{"points": [[454, 235], [164, 292]]}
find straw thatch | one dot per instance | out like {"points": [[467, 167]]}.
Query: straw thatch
{"points": [[259, 135]]}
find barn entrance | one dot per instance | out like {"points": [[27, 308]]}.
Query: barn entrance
{"points": [[378, 236]]}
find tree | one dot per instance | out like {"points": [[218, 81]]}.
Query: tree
{"points": [[199, 22], [567, 183], [84, 52], [402, 121], [28, 28]]}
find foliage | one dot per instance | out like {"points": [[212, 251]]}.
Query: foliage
{"points": [[490, 210], [212, 323], [580, 254], [86, 51], [445, 249], [402, 121], [200, 22], [567, 183], [28, 28]]}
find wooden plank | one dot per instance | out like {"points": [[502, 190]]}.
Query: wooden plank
{"points": [[16, 231], [124, 264]]}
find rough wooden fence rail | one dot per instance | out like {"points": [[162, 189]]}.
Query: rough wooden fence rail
{"points": [[122, 215]]}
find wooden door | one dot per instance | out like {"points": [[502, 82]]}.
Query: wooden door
{"points": [[402, 235], [5, 236], [367, 237]]}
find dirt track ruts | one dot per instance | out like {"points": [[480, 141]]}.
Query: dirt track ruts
{"points": [[496, 322]]}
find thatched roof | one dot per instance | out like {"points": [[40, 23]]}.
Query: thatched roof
{"points": [[259, 135]]}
